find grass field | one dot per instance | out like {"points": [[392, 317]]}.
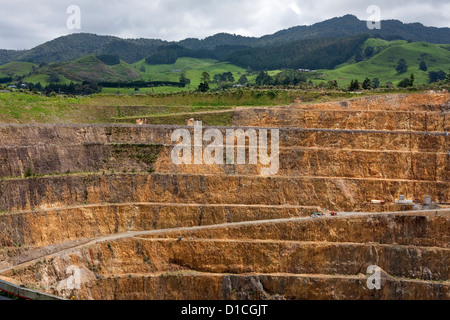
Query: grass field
{"points": [[21, 107], [86, 68], [17, 107], [382, 65], [193, 68], [130, 91], [16, 68], [43, 79]]}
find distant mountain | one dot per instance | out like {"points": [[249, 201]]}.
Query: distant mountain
{"points": [[347, 25], [350, 25], [66, 48], [88, 68], [10, 55], [78, 45], [324, 53], [75, 46]]}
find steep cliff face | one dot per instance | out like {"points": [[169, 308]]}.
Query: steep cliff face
{"points": [[343, 119], [431, 101], [198, 286], [109, 201], [84, 135], [92, 157], [330, 162], [25, 235], [334, 193], [280, 253]]}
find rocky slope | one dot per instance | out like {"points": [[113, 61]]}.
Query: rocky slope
{"points": [[108, 202]]}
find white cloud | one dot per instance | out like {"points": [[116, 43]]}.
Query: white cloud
{"points": [[26, 23]]}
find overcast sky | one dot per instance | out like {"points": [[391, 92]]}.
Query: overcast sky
{"points": [[25, 24]]}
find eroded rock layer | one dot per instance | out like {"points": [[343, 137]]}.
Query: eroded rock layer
{"points": [[103, 212]]}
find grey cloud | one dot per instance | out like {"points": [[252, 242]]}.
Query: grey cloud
{"points": [[25, 23]]}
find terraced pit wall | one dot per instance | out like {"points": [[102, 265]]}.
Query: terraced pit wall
{"points": [[339, 169], [329, 257], [106, 198]]}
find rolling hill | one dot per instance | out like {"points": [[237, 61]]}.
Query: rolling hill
{"points": [[383, 63], [192, 66], [88, 68], [341, 49], [134, 50], [16, 68]]}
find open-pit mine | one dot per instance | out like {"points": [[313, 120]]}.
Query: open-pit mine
{"points": [[102, 212]]}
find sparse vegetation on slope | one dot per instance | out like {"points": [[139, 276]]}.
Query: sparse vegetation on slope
{"points": [[383, 63]]}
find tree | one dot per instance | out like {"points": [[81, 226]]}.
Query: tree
{"points": [[228, 77], [358, 56], [306, 54], [332, 84], [109, 59], [183, 80], [71, 88], [367, 84], [243, 80], [354, 85], [375, 83], [204, 84], [53, 77], [423, 66], [436, 76], [401, 66], [264, 79], [369, 51], [223, 77], [203, 87], [288, 77], [142, 69], [405, 83], [206, 78], [411, 80]]}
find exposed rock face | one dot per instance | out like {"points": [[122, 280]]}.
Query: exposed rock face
{"points": [[282, 253], [334, 193], [106, 207], [341, 119]]}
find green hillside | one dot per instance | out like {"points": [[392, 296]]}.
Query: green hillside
{"points": [[16, 69], [192, 66], [376, 58], [88, 68], [386, 55]]}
